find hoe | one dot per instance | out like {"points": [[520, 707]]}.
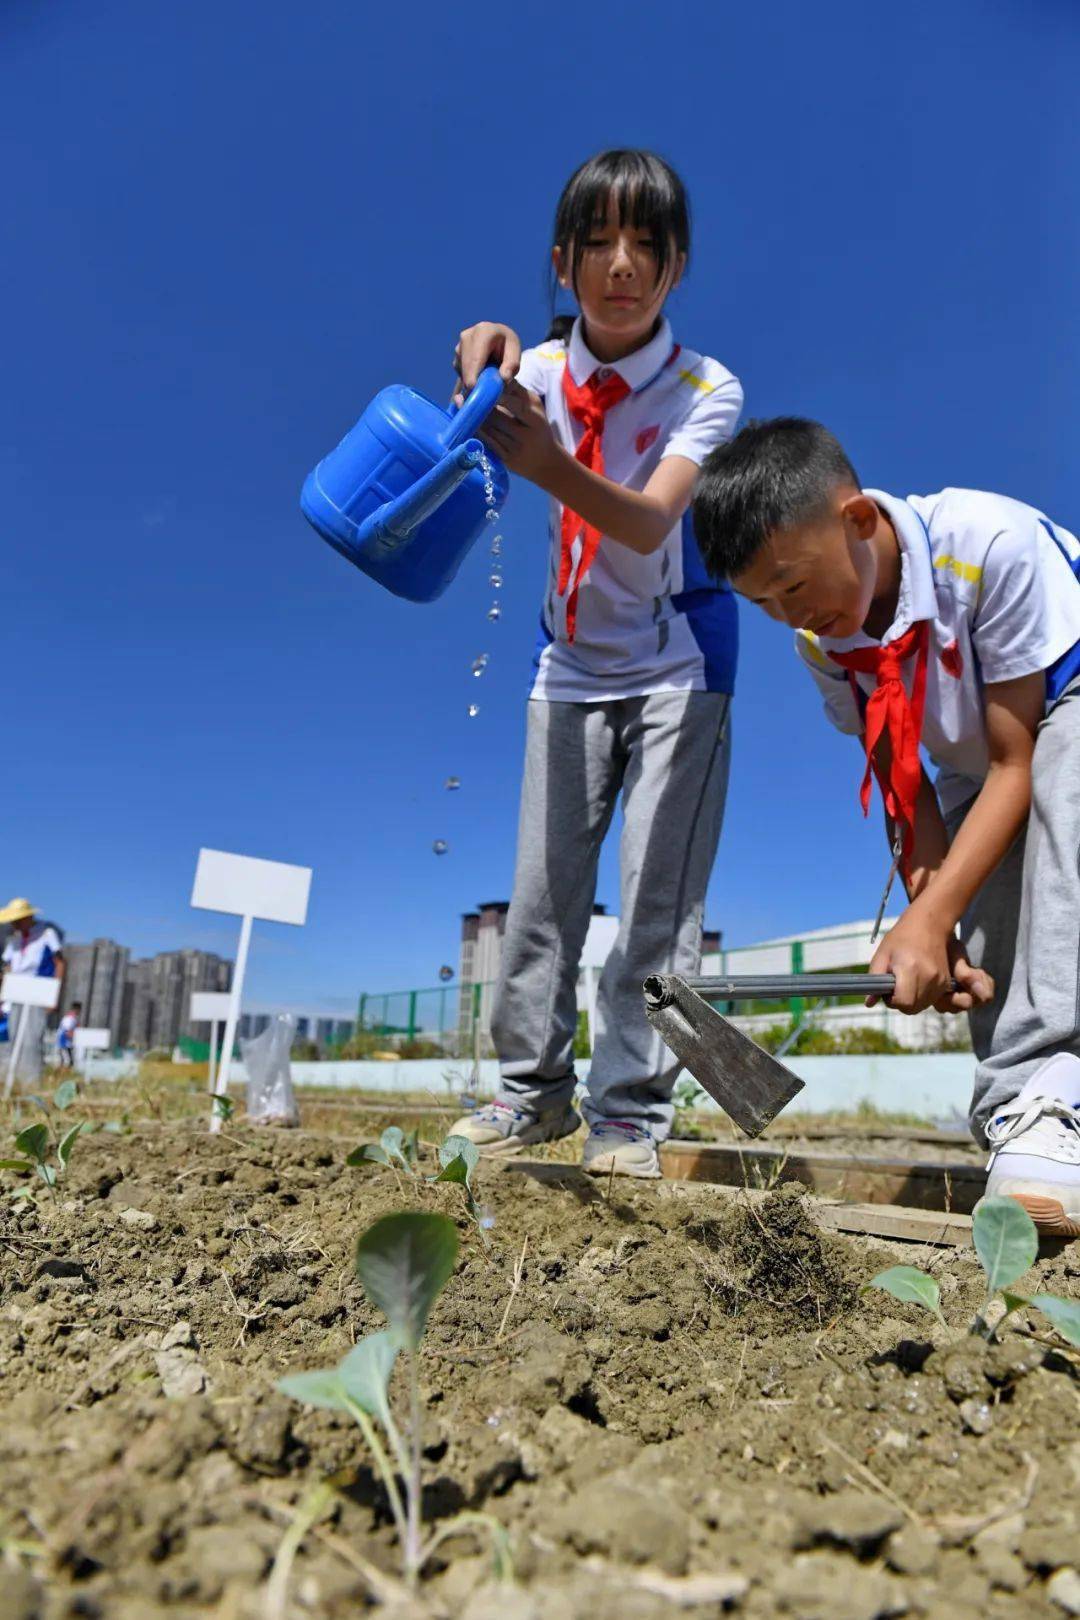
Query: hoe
{"points": [[750, 1084]]}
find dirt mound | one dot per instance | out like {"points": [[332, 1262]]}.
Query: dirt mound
{"points": [[772, 1264]]}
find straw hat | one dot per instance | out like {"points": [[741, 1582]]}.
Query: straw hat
{"points": [[16, 910]]}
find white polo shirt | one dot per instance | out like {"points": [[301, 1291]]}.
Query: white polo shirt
{"points": [[995, 580], [35, 953], [644, 624]]}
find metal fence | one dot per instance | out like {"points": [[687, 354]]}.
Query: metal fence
{"points": [[455, 1019]]}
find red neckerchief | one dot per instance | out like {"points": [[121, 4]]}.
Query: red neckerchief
{"points": [[588, 403], [890, 708]]}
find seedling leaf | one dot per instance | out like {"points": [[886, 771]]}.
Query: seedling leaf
{"points": [[455, 1169], [223, 1106], [34, 1140], [47, 1174], [67, 1142], [1064, 1313], [395, 1145], [403, 1262], [320, 1388], [367, 1153], [365, 1372], [912, 1286], [1005, 1241], [17, 1164], [459, 1147], [411, 1147], [65, 1094], [459, 1158]]}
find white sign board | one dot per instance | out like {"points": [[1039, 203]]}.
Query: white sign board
{"points": [[251, 888], [599, 940], [210, 1006], [28, 990], [92, 1040]]}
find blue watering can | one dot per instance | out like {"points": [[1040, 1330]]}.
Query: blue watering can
{"points": [[402, 496]]}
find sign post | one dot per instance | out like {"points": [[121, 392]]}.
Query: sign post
{"points": [[247, 888], [88, 1041], [210, 1007], [598, 943], [25, 990]]}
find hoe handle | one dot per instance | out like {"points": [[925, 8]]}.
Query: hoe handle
{"points": [[773, 986]]}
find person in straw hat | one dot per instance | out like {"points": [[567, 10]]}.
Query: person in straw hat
{"points": [[35, 947]]}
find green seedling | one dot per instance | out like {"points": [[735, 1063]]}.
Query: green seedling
{"points": [[687, 1094], [1007, 1244], [393, 1148], [458, 1158], [36, 1145], [224, 1107], [403, 1262]]}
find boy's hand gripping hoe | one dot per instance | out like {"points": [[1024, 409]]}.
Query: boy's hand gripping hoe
{"points": [[750, 1084]]}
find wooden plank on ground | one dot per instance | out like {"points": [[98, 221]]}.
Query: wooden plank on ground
{"points": [[953, 1188], [890, 1221]]}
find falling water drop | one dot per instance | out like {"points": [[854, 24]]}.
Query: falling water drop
{"points": [[494, 611], [452, 784], [479, 665], [440, 846], [446, 973], [491, 515], [474, 710], [495, 581]]}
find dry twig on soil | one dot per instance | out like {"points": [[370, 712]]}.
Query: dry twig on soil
{"points": [[515, 1286]]}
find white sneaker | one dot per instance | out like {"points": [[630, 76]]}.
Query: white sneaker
{"points": [[1035, 1143], [615, 1146], [501, 1129]]}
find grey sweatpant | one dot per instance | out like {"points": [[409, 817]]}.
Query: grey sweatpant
{"points": [[1023, 926], [667, 754]]}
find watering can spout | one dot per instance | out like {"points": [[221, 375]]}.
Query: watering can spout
{"points": [[397, 519]]}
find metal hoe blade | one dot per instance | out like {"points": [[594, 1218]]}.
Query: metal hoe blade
{"points": [[749, 1084]]}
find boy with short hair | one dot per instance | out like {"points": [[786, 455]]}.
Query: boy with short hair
{"points": [[954, 620]]}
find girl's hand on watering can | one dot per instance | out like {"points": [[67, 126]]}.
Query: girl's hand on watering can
{"points": [[520, 434], [486, 344]]}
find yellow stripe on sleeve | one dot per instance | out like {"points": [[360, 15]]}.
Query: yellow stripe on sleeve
{"points": [[963, 570], [809, 641], [697, 382]]}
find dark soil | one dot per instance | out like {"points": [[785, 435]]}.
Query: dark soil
{"points": [[689, 1406]]}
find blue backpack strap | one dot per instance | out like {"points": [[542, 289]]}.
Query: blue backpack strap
{"points": [[1067, 668]]}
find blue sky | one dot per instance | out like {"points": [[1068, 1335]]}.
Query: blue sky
{"points": [[226, 226]]}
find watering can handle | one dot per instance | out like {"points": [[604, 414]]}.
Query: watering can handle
{"points": [[478, 405]]}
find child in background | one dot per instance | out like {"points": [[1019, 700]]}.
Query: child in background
{"points": [[955, 618], [35, 947], [634, 669], [65, 1035]]}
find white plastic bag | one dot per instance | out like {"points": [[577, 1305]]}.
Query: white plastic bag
{"points": [[28, 1070], [270, 1096]]}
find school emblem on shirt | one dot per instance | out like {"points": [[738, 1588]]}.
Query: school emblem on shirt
{"points": [[646, 437], [952, 660]]}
